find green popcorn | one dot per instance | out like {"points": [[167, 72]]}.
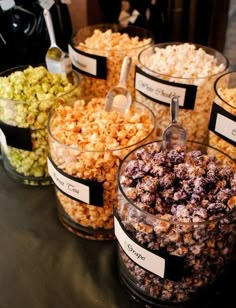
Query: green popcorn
{"points": [[26, 98]]}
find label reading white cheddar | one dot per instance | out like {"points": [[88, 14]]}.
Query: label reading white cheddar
{"points": [[162, 91]]}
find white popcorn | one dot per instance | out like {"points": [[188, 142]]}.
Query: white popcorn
{"points": [[184, 63]]}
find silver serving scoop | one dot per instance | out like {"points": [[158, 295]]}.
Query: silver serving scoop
{"points": [[174, 135], [57, 60], [119, 97]]}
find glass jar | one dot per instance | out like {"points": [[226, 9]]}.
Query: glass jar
{"points": [[97, 52], [222, 124], [185, 70], [175, 222], [27, 94], [86, 145]]}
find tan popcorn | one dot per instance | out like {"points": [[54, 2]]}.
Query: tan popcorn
{"points": [[87, 142], [114, 46]]}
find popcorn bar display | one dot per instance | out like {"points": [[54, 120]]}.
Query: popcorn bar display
{"points": [[222, 125], [175, 221], [86, 146], [27, 95], [97, 52], [180, 69]]}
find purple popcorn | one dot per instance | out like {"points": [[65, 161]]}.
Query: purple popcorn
{"points": [[147, 198], [157, 170], [175, 156], [148, 184], [167, 180], [189, 196], [181, 171], [134, 169]]}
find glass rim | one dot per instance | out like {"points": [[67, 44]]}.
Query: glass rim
{"points": [[226, 60], [150, 112], [216, 88], [114, 27], [76, 79], [154, 217]]}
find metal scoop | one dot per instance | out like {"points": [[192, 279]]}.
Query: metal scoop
{"points": [[57, 61], [174, 135], [119, 97]]}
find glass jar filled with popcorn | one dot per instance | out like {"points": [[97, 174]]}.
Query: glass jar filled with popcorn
{"points": [[175, 222], [185, 70], [222, 124], [87, 144], [97, 52], [27, 94]]}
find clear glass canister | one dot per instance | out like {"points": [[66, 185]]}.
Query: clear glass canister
{"points": [[27, 94], [222, 124], [180, 69], [97, 52], [175, 222], [86, 145]]}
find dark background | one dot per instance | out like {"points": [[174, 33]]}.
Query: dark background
{"points": [[24, 38]]}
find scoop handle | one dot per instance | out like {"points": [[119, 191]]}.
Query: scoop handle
{"points": [[49, 24], [174, 109], [125, 68]]}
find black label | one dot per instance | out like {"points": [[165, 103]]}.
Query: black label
{"points": [[95, 187], [17, 137], [81, 65], [159, 91], [174, 265], [215, 112]]}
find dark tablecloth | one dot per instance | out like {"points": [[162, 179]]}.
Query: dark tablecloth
{"points": [[43, 265]]}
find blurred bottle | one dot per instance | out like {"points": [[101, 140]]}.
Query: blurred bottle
{"points": [[110, 10], [149, 14], [23, 35]]}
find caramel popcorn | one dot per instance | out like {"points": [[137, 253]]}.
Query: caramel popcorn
{"points": [[87, 142], [114, 46]]}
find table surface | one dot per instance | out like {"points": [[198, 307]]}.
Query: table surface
{"points": [[43, 265]]}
